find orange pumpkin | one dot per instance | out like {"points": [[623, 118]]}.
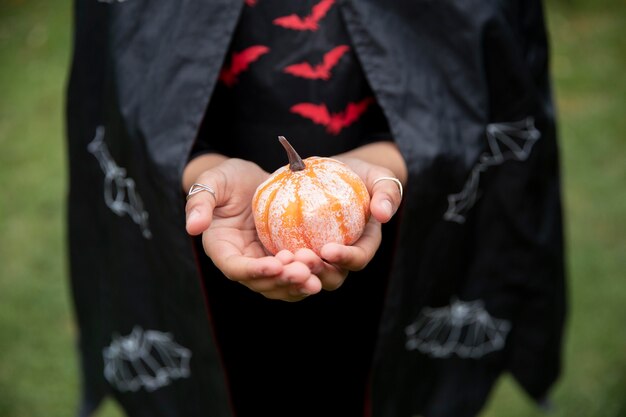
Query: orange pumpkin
{"points": [[309, 203]]}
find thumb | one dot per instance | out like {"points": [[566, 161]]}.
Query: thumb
{"points": [[201, 201], [386, 197]]}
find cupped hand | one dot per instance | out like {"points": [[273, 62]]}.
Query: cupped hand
{"points": [[229, 236], [336, 261]]}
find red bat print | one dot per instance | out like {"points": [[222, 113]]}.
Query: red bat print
{"points": [[334, 122], [251, 2], [321, 70], [240, 61], [310, 22]]}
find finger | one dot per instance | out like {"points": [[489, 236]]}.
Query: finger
{"points": [[294, 292], [357, 256], [288, 297], [310, 259], [199, 214], [330, 276], [297, 292], [285, 256], [284, 295], [311, 286], [238, 267], [200, 206], [295, 273], [289, 275], [386, 196]]}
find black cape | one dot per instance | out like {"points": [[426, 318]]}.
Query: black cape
{"points": [[477, 284]]}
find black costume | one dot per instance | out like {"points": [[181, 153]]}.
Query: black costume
{"points": [[475, 285]]}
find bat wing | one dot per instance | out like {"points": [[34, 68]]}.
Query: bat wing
{"points": [[303, 70], [318, 113], [354, 111], [242, 60], [293, 21], [320, 9], [332, 57]]}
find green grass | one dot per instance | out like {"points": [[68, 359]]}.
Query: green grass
{"points": [[38, 362], [38, 365]]}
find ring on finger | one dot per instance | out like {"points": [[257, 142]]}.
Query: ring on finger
{"points": [[197, 187], [397, 181]]}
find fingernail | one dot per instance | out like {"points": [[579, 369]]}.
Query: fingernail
{"points": [[304, 291], [194, 215], [388, 207]]}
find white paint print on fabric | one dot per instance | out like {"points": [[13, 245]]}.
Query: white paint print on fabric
{"points": [[147, 359], [506, 141], [464, 329], [119, 192]]}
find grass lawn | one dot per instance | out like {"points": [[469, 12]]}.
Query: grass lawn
{"points": [[38, 363]]}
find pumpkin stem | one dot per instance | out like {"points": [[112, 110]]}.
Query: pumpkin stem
{"points": [[295, 162]]}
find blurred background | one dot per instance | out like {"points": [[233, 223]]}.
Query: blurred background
{"points": [[38, 362]]}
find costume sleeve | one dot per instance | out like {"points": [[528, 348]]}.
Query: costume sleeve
{"points": [[141, 74], [464, 85]]}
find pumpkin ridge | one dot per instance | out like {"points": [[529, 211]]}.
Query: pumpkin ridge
{"points": [[263, 188], [300, 218], [358, 191], [266, 213], [339, 215]]}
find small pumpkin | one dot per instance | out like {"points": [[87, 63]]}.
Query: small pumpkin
{"points": [[308, 203]]}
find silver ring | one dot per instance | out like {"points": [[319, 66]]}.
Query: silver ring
{"points": [[397, 181], [197, 187]]}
